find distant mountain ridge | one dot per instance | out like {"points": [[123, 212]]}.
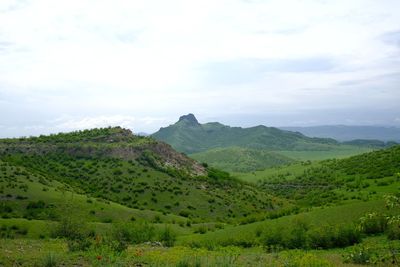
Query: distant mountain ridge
{"points": [[348, 133], [189, 136]]}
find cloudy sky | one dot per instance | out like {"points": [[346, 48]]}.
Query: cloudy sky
{"points": [[67, 65]]}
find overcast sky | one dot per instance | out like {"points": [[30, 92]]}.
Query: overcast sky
{"points": [[67, 65]]}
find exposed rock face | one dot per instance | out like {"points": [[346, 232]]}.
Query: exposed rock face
{"points": [[189, 119], [119, 143]]}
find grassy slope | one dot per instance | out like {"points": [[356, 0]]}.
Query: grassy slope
{"points": [[19, 188], [139, 182], [239, 159], [289, 171], [361, 182], [244, 233], [340, 151], [359, 177]]}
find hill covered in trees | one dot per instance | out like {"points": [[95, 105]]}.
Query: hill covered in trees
{"points": [[189, 136]]}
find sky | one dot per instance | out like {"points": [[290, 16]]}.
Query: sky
{"points": [[140, 64]]}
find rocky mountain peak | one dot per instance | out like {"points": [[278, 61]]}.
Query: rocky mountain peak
{"points": [[189, 118]]}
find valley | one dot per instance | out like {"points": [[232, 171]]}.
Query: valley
{"points": [[106, 197]]}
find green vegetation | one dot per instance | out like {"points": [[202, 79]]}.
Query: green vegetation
{"points": [[249, 149], [237, 159], [340, 151], [188, 136], [108, 198]]}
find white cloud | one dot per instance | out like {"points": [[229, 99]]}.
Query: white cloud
{"points": [[153, 58], [79, 123]]}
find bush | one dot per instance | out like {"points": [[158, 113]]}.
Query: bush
{"points": [[124, 234], [329, 236], [359, 255], [300, 259], [184, 213], [373, 223], [273, 238], [168, 237], [299, 236], [75, 231], [321, 237], [82, 244], [346, 235], [36, 205], [393, 230], [70, 228], [202, 229], [50, 260]]}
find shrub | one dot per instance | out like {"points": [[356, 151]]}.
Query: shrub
{"points": [[321, 237], [360, 255], [373, 223], [297, 237], [36, 205], [157, 219], [70, 228], [184, 213], [121, 234], [124, 234], [346, 235], [393, 230], [50, 260], [168, 237], [202, 229], [273, 238], [81, 244], [301, 259]]}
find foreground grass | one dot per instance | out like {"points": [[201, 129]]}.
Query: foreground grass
{"points": [[22, 252], [25, 252]]}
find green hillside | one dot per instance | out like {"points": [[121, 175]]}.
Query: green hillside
{"points": [[360, 177], [189, 136], [105, 197], [238, 159], [137, 172], [249, 149]]}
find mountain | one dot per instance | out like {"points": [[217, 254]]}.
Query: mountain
{"points": [[189, 136], [112, 164], [348, 133]]}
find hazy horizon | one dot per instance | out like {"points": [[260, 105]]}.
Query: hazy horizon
{"points": [[70, 65]]}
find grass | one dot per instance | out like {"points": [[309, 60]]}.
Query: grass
{"points": [[339, 151], [59, 197], [36, 253], [290, 171], [130, 184], [247, 234], [239, 159]]}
